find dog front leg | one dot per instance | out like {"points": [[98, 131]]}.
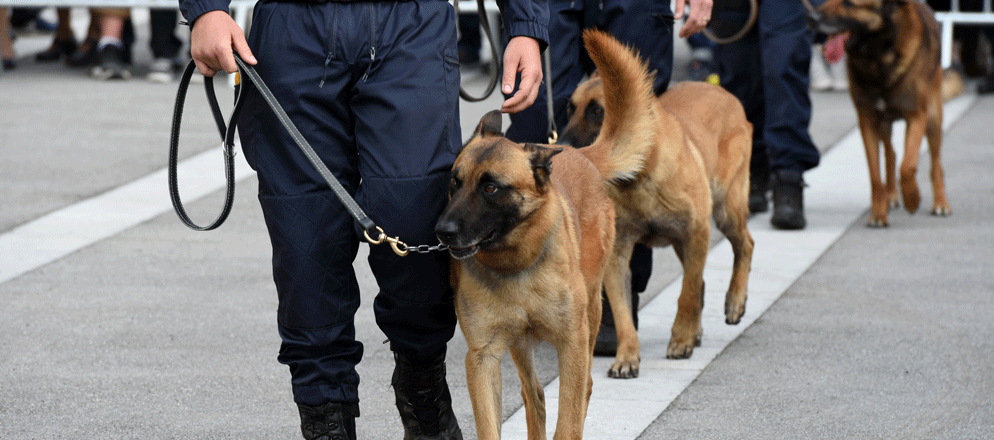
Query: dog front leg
{"points": [[869, 124], [626, 359], [909, 165], [532, 391], [484, 382], [687, 325], [890, 164], [574, 383]]}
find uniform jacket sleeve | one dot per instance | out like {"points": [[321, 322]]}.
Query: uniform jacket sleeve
{"points": [[193, 9], [528, 18]]}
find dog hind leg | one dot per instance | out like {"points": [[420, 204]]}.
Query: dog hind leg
{"points": [[933, 131]]}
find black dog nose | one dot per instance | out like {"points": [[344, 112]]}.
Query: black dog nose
{"points": [[446, 230]]}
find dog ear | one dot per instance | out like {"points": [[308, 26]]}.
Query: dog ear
{"points": [[489, 125], [541, 161]]}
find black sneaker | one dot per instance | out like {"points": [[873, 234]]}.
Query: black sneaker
{"points": [[788, 200], [86, 54], [423, 399], [331, 421], [111, 64], [986, 85]]}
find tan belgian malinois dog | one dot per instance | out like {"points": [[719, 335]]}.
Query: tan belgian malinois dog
{"points": [[531, 229], [671, 165], [894, 73]]}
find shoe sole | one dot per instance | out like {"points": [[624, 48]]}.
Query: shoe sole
{"points": [[106, 74], [160, 77]]}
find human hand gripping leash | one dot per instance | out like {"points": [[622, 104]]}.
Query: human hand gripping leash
{"points": [[227, 132]]}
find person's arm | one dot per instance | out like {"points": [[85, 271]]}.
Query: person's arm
{"points": [[700, 15], [527, 26], [213, 35]]}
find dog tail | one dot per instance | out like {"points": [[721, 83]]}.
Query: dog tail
{"points": [[625, 139]]}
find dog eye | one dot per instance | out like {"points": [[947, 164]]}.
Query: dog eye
{"points": [[490, 188]]}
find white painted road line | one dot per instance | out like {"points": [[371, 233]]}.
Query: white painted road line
{"points": [[74, 227], [838, 194]]}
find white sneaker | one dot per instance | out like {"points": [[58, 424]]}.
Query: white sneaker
{"points": [[840, 75], [161, 71], [821, 79]]}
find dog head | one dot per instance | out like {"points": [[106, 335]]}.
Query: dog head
{"points": [[585, 113], [496, 184], [854, 15]]}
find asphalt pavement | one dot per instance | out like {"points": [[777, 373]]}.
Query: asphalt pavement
{"points": [[118, 322]]}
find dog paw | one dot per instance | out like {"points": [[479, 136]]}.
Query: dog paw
{"points": [[677, 350], [893, 203], [733, 313], [909, 193], [876, 222], [942, 211], [624, 370]]}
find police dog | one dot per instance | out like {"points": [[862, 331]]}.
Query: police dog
{"points": [[670, 165], [894, 73], [530, 228]]}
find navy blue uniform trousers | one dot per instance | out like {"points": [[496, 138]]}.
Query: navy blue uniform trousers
{"points": [[768, 71], [644, 24], [374, 88]]}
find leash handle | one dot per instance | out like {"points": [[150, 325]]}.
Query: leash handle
{"points": [[229, 152]]}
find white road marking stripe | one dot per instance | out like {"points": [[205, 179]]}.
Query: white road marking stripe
{"points": [[73, 227], [838, 194]]}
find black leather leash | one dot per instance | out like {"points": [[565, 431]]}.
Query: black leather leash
{"points": [[227, 132]]}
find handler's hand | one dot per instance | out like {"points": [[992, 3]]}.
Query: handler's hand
{"points": [[700, 15], [212, 38], [521, 55]]}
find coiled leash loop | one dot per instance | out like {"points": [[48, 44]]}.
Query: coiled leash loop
{"points": [[227, 132], [227, 137], [495, 65]]}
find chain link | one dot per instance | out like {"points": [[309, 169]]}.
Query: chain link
{"points": [[400, 248]]}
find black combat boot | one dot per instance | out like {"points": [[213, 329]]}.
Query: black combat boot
{"points": [[759, 185], [331, 421], [788, 200], [423, 399]]}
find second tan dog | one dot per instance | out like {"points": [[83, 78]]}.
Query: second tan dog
{"points": [[894, 73], [671, 165], [531, 229]]}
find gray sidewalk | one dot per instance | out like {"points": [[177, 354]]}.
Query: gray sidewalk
{"points": [[159, 332]]}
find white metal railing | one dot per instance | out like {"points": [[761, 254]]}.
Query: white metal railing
{"points": [[954, 17]]}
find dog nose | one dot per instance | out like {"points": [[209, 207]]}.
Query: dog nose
{"points": [[446, 230]]}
